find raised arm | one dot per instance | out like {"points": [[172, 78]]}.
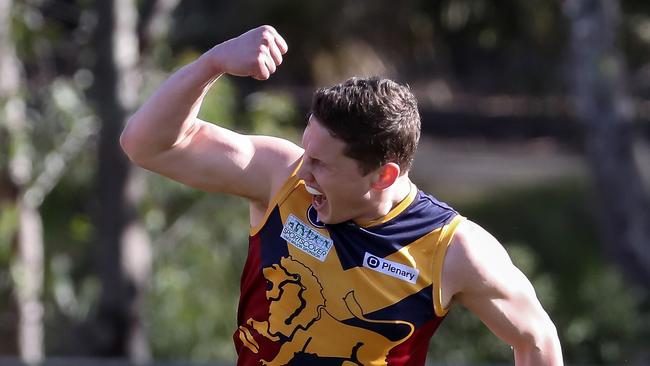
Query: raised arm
{"points": [[165, 135], [478, 274]]}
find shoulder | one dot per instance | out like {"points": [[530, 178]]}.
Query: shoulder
{"points": [[475, 261], [472, 246], [277, 146], [278, 157]]}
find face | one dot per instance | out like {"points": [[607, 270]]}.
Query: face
{"points": [[340, 192]]}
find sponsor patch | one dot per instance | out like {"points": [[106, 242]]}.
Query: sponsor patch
{"points": [[305, 238], [390, 268]]}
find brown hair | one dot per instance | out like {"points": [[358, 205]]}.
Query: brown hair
{"points": [[377, 119]]}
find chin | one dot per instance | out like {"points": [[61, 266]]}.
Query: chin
{"points": [[331, 220], [326, 219]]}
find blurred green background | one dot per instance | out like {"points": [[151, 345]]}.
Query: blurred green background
{"points": [[535, 125]]}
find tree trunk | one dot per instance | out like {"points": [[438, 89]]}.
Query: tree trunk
{"points": [[601, 104], [29, 270], [16, 173], [155, 19], [123, 253]]}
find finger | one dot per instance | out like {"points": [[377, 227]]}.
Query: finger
{"points": [[270, 63], [268, 60], [280, 42], [275, 53], [263, 71]]}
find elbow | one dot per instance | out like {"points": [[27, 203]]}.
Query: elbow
{"points": [[541, 344], [129, 143], [126, 144]]}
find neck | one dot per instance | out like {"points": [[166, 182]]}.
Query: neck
{"points": [[387, 199], [395, 194]]}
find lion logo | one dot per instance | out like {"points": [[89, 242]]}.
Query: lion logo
{"points": [[297, 314]]}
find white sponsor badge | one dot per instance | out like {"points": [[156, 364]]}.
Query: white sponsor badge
{"points": [[303, 237], [390, 268]]}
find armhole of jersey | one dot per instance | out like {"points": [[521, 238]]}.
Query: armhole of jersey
{"points": [[287, 187], [438, 260]]}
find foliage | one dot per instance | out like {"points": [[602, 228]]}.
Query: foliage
{"points": [[550, 234], [193, 298], [200, 240]]}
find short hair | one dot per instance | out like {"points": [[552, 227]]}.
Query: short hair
{"points": [[376, 118]]}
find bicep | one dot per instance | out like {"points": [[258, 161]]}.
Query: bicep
{"points": [[216, 159], [506, 303]]}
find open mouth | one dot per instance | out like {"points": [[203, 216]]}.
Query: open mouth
{"points": [[319, 198]]}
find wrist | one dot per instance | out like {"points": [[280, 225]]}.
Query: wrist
{"points": [[210, 62]]}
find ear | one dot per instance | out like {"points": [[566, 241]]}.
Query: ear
{"points": [[386, 175]]}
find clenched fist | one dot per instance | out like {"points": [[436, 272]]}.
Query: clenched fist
{"points": [[256, 53]]}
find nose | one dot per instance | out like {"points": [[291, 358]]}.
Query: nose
{"points": [[304, 172]]}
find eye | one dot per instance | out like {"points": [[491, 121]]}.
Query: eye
{"points": [[312, 161], [316, 163], [319, 164]]}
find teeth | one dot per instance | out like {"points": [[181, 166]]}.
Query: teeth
{"points": [[313, 191]]}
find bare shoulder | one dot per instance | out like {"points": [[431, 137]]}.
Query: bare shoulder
{"points": [[278, 157], [276, 148], [474, 247], [474, 261]]}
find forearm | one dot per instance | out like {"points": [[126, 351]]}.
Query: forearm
{"points": [[168, 117], [169, 113]]}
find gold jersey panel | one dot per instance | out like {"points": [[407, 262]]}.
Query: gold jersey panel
{"points": [[343, 294]]}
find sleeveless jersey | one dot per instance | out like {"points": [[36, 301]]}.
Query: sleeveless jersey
{"points": [[320, 294]]}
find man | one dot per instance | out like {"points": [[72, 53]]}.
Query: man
{"points": [[349, 264]]}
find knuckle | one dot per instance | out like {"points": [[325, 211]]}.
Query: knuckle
{"points": [[267, 37]]}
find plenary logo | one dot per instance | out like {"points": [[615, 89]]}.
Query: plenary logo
{"points": [[372, 261], [390, 268], [312, 216]]}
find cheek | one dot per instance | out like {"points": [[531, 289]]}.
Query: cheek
{"points": [[323, 178], [339, 187], [344, 191]]}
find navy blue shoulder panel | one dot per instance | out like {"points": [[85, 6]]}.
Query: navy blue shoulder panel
{"points": [[415, 309], [424, 215], [273, 246]]}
